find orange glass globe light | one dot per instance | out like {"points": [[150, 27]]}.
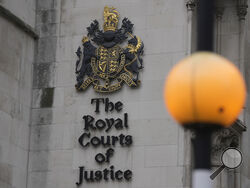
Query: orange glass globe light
{"points": [[205, 88]]}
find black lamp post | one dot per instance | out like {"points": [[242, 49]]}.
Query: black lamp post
{"points": [[202, 141], [204, 92]]}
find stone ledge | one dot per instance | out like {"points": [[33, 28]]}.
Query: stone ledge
{"points": [[18, 22]]}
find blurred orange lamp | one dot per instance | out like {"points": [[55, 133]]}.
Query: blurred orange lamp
{"points": [[205, 88]]}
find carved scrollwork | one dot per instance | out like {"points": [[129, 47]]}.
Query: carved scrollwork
{"points": [[242, 12], [221, 140], [191, 4], [219, 12], [242, 9]]}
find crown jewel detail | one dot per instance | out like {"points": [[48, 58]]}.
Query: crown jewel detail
{"points": [[111, 18]]}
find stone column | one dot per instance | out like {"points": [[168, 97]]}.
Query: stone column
{"points": [[44, 71], [218, 13], [241, 12], [186, 134], [190, 4]]}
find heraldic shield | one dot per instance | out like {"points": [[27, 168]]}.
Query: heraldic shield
{"points": [[105, 64]]}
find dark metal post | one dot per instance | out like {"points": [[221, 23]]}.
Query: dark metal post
{"points": [[202, 142], [205, 16], [202, 149]]}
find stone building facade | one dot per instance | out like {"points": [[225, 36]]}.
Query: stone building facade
{"points": [[41, 113]]}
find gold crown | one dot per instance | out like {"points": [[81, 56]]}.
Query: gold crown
{"points": [[85, 39], [110, 18]]}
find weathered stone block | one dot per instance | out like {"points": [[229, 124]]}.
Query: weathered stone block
{"points": [[47, 16], [47, 137], [45, 4], [47, 30], [42, 116], [47, 97], [43, 75], [47, 50], [55, 97]]}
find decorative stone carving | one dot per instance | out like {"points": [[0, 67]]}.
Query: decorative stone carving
{"points": [[242, 9], [219, 12], [190, 4], [221, 140], [242, 12], [225, 138]]}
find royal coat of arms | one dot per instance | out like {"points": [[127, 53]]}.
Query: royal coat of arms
{"points": [[102, 61]]}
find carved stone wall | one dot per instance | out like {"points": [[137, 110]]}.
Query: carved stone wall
{"points": [[16, 59]]}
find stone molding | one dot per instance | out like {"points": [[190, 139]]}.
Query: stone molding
{"points": [[219, 11], [242, 9], [18, 22], [191, 4], [224, 138]]}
